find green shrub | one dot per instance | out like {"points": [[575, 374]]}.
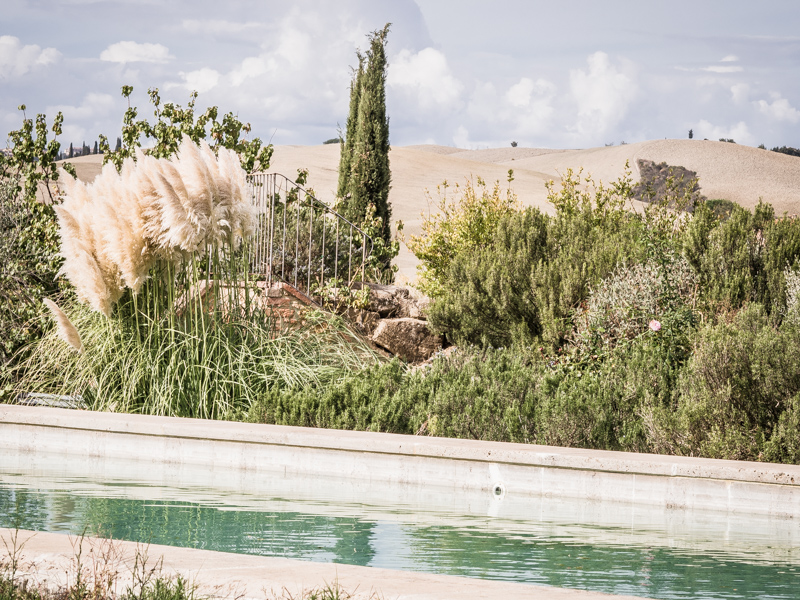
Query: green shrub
{"points": [[623, 305], [28, 239], [460, 225], [366, 401], [488, 294], [743, 258], [784, 443], [721, 208], [529, 273], [740, 380]]}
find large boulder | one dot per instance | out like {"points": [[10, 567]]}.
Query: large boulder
{"points": [[408, 338]]}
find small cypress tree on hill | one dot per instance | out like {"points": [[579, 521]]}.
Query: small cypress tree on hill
{"points": [[364, 175]]}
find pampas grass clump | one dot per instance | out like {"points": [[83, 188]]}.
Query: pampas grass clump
{"points": [[164, 319], [154, 211]]}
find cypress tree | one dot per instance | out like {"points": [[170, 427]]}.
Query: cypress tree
{"points": [[346, 145], [368, 176], [95, 147], [71, 151]]}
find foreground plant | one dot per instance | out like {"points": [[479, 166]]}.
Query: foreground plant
{"points": [[168, 321], [94, 578], [28, 236], [176, 365]]}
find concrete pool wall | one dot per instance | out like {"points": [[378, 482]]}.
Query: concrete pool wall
{"points": [[493, 467]]}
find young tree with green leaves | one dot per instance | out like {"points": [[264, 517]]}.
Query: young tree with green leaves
{"points": [[28, 236], [172, 122]]}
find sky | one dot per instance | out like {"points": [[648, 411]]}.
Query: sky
{"points": [[465, 73]]}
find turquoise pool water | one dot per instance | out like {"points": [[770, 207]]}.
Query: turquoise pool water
{"points": [[622, 549]]}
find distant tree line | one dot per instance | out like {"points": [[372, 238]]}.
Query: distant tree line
{"points": [[83, 150], [787, 150]]}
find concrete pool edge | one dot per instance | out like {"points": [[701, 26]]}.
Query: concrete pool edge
{"points": [[668, 481], [47, 557]]}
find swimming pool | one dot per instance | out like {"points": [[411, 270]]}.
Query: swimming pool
{"points": [[612, 547]]}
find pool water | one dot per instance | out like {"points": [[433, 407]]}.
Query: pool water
{"points": [[613, 548]]}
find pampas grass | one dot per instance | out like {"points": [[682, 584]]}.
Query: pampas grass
{"points": [[177, 370], [115, 230], [66, 330], [163, 308]]}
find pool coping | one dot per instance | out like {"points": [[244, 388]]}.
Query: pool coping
{"points": [[550, 457], [47, 557]]}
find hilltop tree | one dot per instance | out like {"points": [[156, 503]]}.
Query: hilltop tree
{"points": [[364, 176], [71, 151], [691, 134], [94, 151]]}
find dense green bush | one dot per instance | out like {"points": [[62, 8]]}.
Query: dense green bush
{"points": [[488, 292], [28, 238], [525, 283], [363, 402], [743, 258], [738, 386], [464, 221]]}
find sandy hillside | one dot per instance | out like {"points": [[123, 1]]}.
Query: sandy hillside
{"points": [[738, 173]]}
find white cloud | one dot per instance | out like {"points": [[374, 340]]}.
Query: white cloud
{"points": [[740, 92], [252, 67], [427, 77], [722, 69], [603, 95], [201, 81], [16, 59], [461, 137], [730, 58], [293, 53], [527, 91], [215, 27], [523, 112], [93, 104], [128, 52], [738, 132], [779, 109], [93, 108]]}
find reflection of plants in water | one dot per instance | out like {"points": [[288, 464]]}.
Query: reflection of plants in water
{"points": [[343, 540]]}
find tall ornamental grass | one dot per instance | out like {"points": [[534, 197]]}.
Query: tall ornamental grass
{"points": [[165, 318], [174, 367]]}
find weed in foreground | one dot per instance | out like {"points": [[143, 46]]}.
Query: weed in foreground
{"points": [[96, 573]]}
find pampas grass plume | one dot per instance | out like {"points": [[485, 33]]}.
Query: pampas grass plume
{"points": [[66, 330], [116, 228]]}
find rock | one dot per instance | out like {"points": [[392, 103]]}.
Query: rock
{"points": [[391, 301], [365, 320], [408, 338]]}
